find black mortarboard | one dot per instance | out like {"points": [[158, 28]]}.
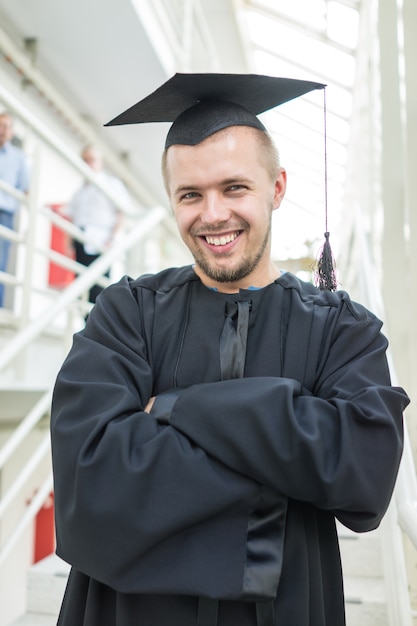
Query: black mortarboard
{"points": [[198, 105], [201, 104]]}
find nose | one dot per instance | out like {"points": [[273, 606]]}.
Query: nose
{"points": [[214, 209]]}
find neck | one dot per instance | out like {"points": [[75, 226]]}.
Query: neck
{"points": [[249, 282]]}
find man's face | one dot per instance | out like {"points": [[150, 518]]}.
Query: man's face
{"points": [[6, 129], [223, 197], [93, 158]]}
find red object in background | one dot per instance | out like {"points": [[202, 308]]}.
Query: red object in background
{"points": [[59, 277], [44, 530]]}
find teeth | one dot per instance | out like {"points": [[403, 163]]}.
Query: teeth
{"points": [[221, 241]]}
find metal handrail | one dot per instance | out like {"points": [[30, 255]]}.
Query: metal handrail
{"points": [[19, 195], [402, 512], [25, 473], [27, 518], [25, 427], [79, 285], [406, 486]]}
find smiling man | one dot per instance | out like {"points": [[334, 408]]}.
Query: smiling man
{"points": [[212, 422], [223, 197]]}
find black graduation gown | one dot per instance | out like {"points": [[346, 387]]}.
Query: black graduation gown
{"points": [[229, 489]]}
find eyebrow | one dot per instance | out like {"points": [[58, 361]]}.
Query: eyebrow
{"points": [[231, 180]]}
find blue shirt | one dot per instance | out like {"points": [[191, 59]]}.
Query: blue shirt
{"points": [[14, 170]]}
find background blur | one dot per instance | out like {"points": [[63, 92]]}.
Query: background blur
{"points": [[68, 68]]}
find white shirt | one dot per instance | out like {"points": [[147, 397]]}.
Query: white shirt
{"points": [[91, 210]]}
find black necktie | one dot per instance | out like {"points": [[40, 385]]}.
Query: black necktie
{"points": [[233, 340], [232, 363]]}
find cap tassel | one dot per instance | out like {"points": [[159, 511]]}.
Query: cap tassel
{"points": [[325, 274]]}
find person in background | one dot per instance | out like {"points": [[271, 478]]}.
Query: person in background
{"points": [[212, 422], [14, 170], [95, 213]]}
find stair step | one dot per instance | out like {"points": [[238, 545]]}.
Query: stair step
{"points": [[36, 619], [364, 590], [46, 585], [365, 601], [31, 373], [361, 553], [17, 401], [363, 573]]}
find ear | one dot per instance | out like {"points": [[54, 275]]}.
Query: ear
{"points": [[280, 187]]}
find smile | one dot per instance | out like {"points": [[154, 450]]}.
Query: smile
{"points": [[221, 241]]}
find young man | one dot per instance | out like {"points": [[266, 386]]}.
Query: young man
{"points": [[212, 422]]}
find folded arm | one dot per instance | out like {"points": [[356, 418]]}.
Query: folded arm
{"points": [[337, 446]]}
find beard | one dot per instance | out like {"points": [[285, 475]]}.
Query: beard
{"points": [[246, 265]]}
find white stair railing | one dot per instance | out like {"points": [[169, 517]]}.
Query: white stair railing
{"points": [[402, 512], [29, 323], [79, 285]]}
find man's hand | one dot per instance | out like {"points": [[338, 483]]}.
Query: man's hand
{"points": [[149, 406]]}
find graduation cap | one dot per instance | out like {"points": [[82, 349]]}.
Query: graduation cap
{"points": [[198, 105], [201, 104]]}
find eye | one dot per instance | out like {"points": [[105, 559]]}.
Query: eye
{"points": [[236, 187], [190, 195]]}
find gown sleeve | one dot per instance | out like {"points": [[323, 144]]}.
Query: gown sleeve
{"points": [[136, 500], [337, 447]]}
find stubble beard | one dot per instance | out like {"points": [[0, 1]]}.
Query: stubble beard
{"points": [[230, 275]]}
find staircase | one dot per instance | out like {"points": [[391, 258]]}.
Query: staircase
{"points": [[363, 578], [362, 564], [25, 472], [45, 588]]}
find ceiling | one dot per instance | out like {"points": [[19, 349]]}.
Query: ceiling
{"points": [[104, 55]]}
